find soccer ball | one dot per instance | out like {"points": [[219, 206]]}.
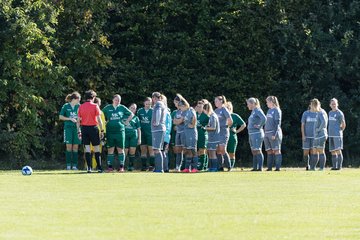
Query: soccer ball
{"points": [[27, 170]]}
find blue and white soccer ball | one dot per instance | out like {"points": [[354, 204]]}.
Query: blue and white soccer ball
{"points": [[27, 171]]}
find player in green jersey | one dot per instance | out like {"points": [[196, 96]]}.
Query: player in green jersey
{"points": [[145, 116], [117, 117], [132, 137], [69, 114], [237, 126], [202, 122]]}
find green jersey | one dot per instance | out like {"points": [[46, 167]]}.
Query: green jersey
{"points": [[237, 122], [115, 118], [202, 121], [134, 124], [71, 112], [145, 117]]}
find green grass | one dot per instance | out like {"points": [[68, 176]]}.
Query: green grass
{"points": [[292, 204]]}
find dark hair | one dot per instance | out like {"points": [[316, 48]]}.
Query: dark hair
{"points": [[156, 95], [74, 95], [178, 97], [90, 94]]}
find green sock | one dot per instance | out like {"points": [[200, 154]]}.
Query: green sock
{"points": [[122, 159], [201, 162], [110, 160], [206, 162], [75, 159], [152, 161], [131, 162], [68, 156]]}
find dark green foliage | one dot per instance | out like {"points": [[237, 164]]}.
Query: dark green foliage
{"points": [[296, 50]]}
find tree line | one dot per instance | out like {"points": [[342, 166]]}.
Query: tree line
{"points": [[296, 50]]}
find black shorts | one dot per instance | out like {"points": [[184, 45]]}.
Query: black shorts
{"points": [[90, 134]]}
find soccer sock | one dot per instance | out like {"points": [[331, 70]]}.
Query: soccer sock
{"points": [[270, 160], [195, 162], [110, 160], [131, 161], [334, 161], [88, 160], [214, 164], [152, 160], [340, 161], [179, 160], [201, 164], [278, 161], [188, 162], [220, 160], [121, 159], [307, 161], [232, 161], [143, 162], [255, 162], [165, 161], [68, 156], [75, 159], [314, 158], [98, 160], [206, 162], [260, 158], [158, 162], [227, 160], [322, 160]]}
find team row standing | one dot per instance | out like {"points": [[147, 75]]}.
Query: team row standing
{"points": [[196, 133]]}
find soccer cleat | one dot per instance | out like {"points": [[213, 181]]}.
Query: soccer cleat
{"points": [[333, 169], [143, 169], [161, 171], [68, 168], [121, 170], [253, 170], [194, 170], [89, 170], [229, 169], [100, 171], [186, 170], [269, 169], [74, 168], [221, 169], [151, 168], [109, 170], [277, 170]]}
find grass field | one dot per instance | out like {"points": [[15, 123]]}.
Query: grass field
{"points": [[291, 204]]}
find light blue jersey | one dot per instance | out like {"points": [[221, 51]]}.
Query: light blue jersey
{"points": [[158, 117], [180, 128], [213, 123], [335, 120], [168, 124], [189, 116], [223, 114], [321, 125], [273, 122], [256, 121], [309, 119]]}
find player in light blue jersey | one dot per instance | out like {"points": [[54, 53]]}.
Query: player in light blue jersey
{"points": [[225, 122], [320, 137], [191, 137], [256, 122], [168, 125], [336, 127], [273, 133], [178, 125], [158, 129], [213, 129], [309, 121]]}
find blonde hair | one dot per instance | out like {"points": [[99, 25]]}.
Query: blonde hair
{"points": [[229, 106], [71, 96], [315, 104], [208, 108], [164, 100], [255, 101], [274, 100]]}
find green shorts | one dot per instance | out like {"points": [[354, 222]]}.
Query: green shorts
{"points": [[202, 140], [71, 136], [146, 138], [116, 140], [131, 139], [232, 143]]}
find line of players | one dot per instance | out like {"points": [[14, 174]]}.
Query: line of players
{"points": [[202, 138]]}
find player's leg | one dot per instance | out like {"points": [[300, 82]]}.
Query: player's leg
{"points": [[306, 152], [157, 146], [120, 145], [95, 141], [270, 153]]}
